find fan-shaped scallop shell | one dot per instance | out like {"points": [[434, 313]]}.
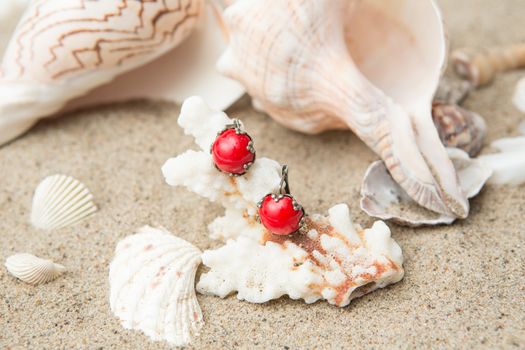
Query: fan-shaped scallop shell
{"points": [[60, 201], [32, 269], [152, 281]]}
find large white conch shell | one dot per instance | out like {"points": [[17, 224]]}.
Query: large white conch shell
{"points": [[63, 49], [33, 270], [152, 281], [331, 258], [369, 65]]}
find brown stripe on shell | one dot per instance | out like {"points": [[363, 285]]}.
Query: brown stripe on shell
{"points": [[81, 19]]}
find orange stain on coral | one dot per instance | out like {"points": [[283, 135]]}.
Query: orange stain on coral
{"points": [[310, 245], [235, 191], [301, 239]]}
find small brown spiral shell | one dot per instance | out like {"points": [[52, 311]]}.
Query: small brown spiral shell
{"points": [[458, 127]]}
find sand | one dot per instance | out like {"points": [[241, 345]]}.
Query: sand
{"points": [[464, 284]]}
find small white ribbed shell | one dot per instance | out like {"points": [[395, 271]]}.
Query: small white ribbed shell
{"points": [[152, 282], [60, 201], [32, 269]]}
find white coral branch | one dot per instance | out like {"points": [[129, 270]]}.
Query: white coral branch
{"points": [[343, 266], [195, 169], [331, 259]]}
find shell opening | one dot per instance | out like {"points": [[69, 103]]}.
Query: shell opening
{"points": [[409, 60]]}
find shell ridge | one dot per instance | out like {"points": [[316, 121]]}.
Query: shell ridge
{"points": [[72, 213], [173, 270], [135, 267], [61, 201], [152, 280], [184, 284], [182, 312], [146, 295], [56, 193], [137, 290], [61, 196], [32, 269]]}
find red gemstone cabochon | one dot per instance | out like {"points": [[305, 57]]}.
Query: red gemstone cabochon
{"points": [[280, 217], [230, 152]]}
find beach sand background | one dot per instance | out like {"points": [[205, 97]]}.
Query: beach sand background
{"points": [[464, 284]]}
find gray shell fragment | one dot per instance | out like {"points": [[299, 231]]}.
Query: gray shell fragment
{"points": [[383, 198]]}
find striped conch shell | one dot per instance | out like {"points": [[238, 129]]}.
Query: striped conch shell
{"points": [[33, 270], [330, 259], [63, 49], [372, 66]]}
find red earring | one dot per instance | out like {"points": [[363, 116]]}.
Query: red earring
{"points": [[280, 213], [232, 151]]}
